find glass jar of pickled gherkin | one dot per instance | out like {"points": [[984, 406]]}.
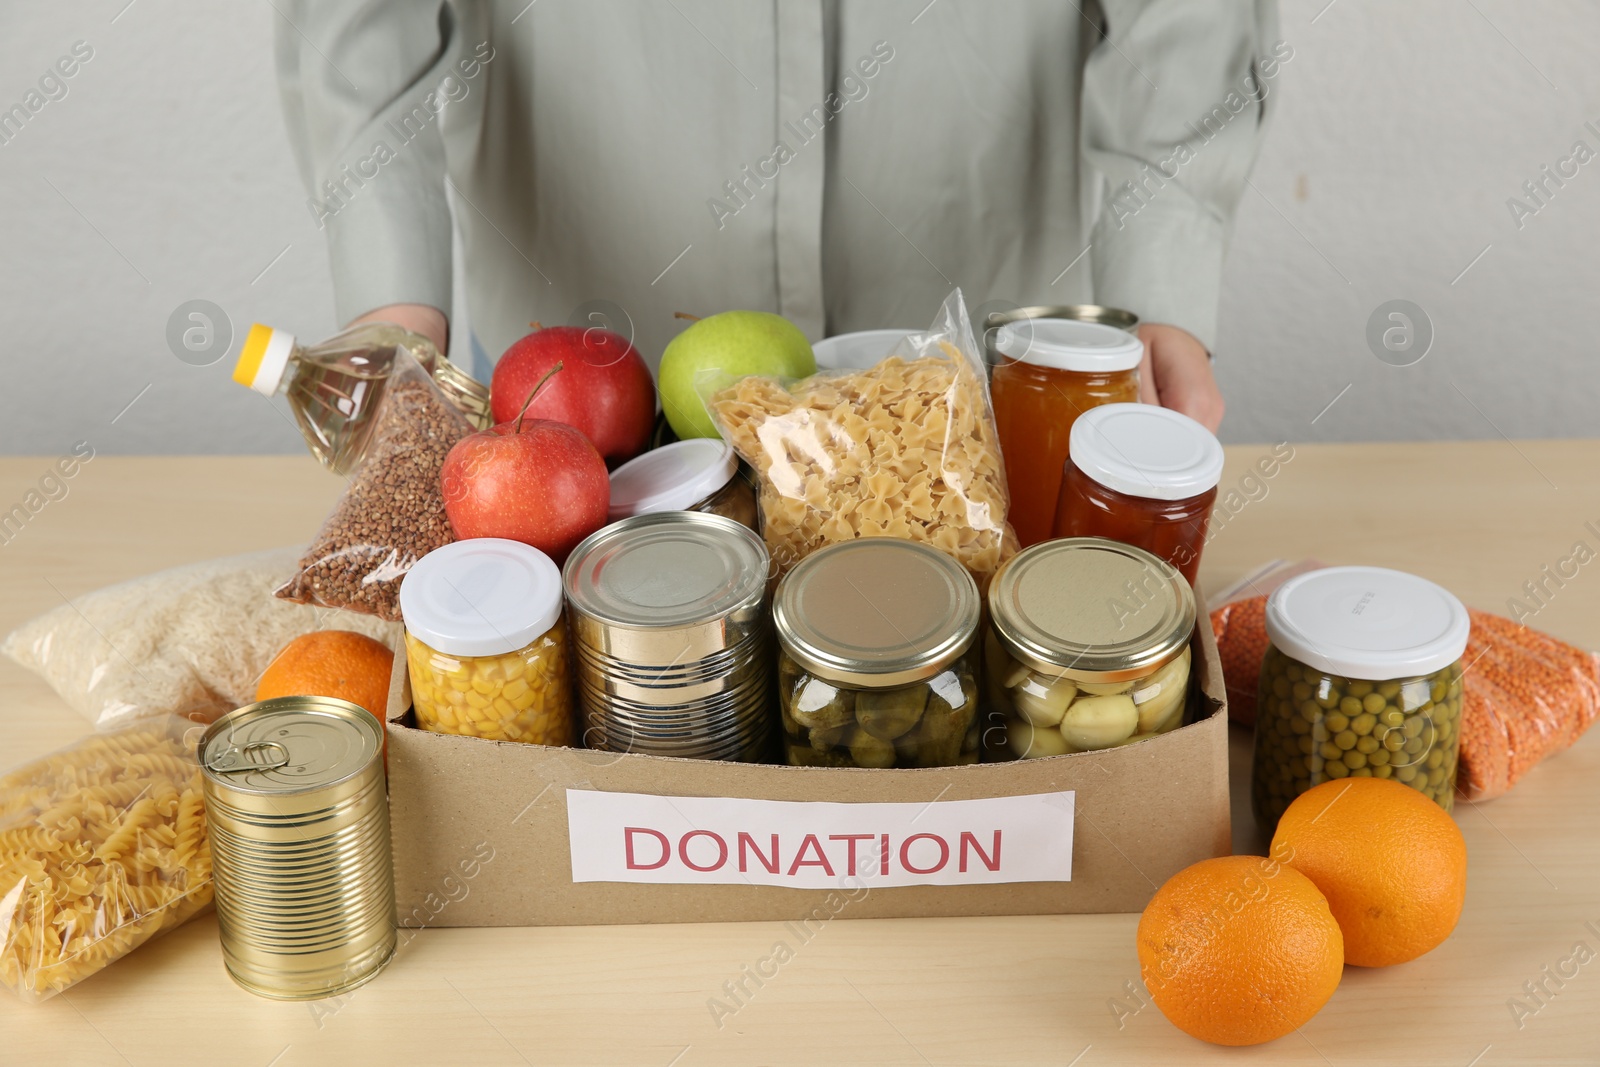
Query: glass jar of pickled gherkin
{"points": [[486, 646], [1362, 680], [877, 663], [1088, 648]]}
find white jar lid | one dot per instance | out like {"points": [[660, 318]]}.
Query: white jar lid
{"points": [[1069, 344], [1146, 451], [1370, 623], [485, 596], [856, 351], [672, 478]]}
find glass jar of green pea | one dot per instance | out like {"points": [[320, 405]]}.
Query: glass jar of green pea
{"points": [[1362, 680]]}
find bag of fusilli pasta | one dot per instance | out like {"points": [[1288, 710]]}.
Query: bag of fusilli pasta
{"points": [[102, 847], [906, 448]]}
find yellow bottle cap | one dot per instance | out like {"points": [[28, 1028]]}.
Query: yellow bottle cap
{"points": [[263, 359]]}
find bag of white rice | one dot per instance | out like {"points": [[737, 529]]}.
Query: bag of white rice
{"points": [[190, 641]]}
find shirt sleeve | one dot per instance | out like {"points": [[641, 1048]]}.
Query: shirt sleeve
{"points": [[360, 86], [1173, 106]]}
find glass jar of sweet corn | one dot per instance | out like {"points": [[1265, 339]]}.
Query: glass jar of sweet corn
{"points": [[486, 646], [1088, 648], [1362, 680]]}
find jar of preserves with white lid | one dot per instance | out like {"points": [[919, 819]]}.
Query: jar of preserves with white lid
{"points": [[1143, 475], [1050, 372], [486, 644], [876, 665], [1362, 679], [1088, 648], [700, 474]]}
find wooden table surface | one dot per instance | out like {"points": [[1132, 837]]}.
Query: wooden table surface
{"points": [[1480, 518]]}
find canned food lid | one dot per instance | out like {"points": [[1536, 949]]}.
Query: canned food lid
{"points": [[877, 612], [485, 596], [1091, 609], [290, 745], [1110, 316], [1069, 344], [672, 478], [1371, 623], [666, 570], [1146, 451]]}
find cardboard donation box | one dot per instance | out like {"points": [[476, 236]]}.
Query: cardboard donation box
{"points": [[490, 833]]}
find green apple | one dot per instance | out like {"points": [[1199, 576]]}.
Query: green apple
{"points": [[719, 348]]}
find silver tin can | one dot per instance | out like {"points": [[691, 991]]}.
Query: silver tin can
{"points": [[667, 613], [299, 822], [1106, 316]]}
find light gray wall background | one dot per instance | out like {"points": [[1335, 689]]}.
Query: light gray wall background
{"points": [[1400, 132]]}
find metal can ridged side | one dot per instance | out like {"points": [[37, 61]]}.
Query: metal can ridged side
{"points": [[298, 814]]}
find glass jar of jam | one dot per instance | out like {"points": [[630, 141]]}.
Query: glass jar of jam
{"points": [[1142, 475], [1088, 649], [1052, 371], [486, 646], [877, 663], [1362, 680], [700, 474]]}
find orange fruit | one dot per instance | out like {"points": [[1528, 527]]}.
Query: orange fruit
{"points": [[1239, 950], [1391, 862], [331, 663]]}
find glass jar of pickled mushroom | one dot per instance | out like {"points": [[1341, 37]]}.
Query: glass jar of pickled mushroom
{"points": [[1051, 371], [876, 665], [1143, 475], [486, 645], [1362, 680], [1088, 649], [700, 474]]}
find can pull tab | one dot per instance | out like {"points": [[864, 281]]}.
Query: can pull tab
{"points": [[256, 756]]}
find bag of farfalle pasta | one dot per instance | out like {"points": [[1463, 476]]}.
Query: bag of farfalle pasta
{"points": [[102, 847], [906, 448]]}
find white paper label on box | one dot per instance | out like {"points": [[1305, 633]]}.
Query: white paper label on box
{"points": [[639, 837]]}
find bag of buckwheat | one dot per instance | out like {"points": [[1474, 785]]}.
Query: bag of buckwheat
{"points": [[392, 513]]}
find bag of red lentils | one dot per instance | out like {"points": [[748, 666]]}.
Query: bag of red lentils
{"points": [[392, 513], [1526, 695]]}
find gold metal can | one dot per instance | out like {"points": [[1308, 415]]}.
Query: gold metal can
{"points": [[298, 815]]}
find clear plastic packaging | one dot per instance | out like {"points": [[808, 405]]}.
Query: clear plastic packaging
{"points": [[103, 846], [334, 387], [392, 513], [905, 449], [189, 641]]}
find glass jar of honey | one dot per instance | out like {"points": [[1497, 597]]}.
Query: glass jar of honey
{"points": [[1050, 372], [1142, 475]]}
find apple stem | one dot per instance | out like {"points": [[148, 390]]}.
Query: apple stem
{"points": [[535, 325], [537, 386], [685, 315]]}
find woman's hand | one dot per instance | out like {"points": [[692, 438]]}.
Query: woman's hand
{"points": [[1176, 373], [430, 322]]}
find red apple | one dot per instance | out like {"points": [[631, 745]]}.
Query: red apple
{"points": [[537, 481], [605, 389]]}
